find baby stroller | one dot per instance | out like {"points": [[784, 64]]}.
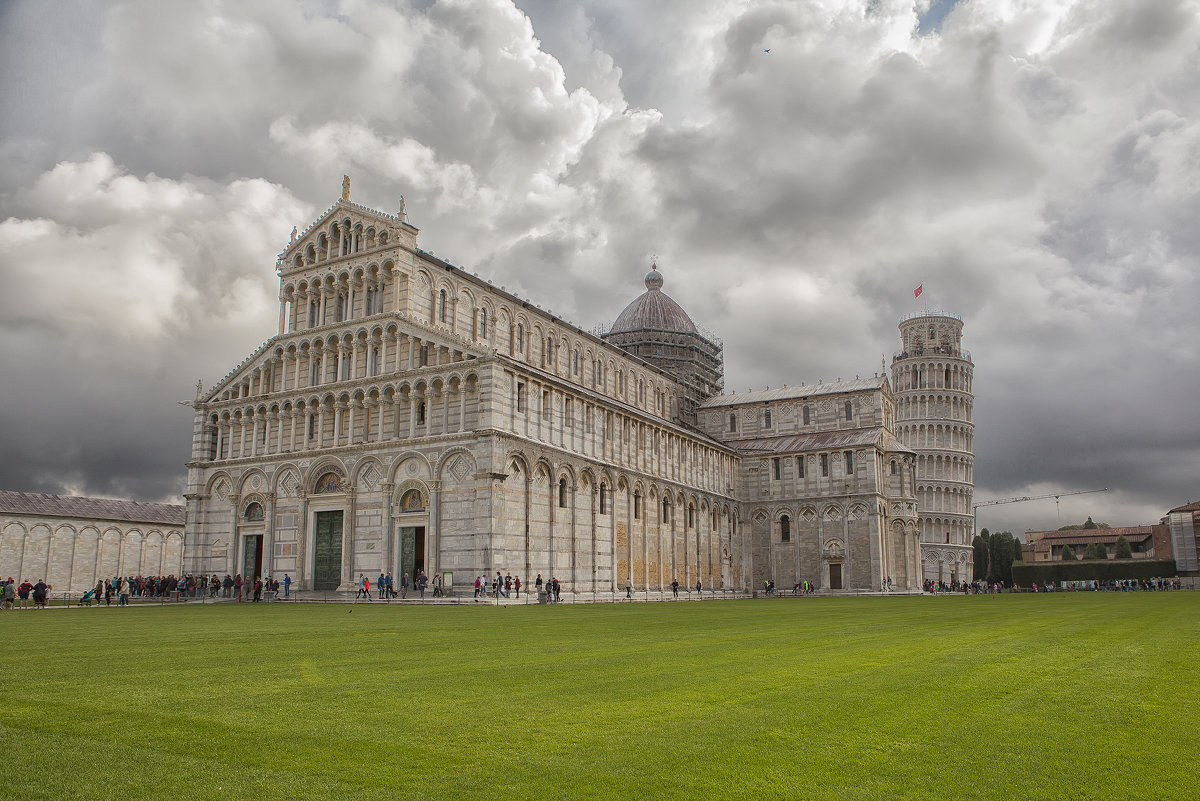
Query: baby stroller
{"points": [[87, 598]]}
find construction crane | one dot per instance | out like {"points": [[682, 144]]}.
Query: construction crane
{"points": [[1055, 495]]}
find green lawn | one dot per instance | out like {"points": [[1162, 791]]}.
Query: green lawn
{"points": [[1014, 697]]}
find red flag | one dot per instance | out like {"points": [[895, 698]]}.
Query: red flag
{"points": [[917, 292]]}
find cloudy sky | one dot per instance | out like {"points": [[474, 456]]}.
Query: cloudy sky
{"points": [[798, 167]]}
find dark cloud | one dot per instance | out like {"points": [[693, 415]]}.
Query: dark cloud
{"points": [[1034, 165]]}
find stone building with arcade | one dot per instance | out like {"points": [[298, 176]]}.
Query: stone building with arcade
{"points": [[409, 415]]}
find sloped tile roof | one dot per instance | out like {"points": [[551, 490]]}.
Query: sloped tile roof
{"points": [[1193, 506], [786, 393], [74, 506], [824, 440]]}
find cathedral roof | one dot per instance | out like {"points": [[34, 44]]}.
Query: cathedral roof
{"points": [[820, 440], [788, 393], [31, 503], [653, 310]]}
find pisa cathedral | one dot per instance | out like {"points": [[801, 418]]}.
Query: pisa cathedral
{"points": [[409, 416]]}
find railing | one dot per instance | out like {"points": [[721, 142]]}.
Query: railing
{"points": [[926, 353]]}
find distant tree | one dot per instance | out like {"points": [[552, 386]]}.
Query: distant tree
{"points": [[1123, 549], [1090, 524], [1095, 551], [1000, 551], [979, 547], [1072, 527], [1017, 555], [1067, 554]]}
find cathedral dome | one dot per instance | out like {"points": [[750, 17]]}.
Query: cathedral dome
{"points": [[653, 310]]}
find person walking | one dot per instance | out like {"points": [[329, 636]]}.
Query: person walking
{"points": [[404, 586], [557, 591], [10, 593], [675, 587], [517, 585], [287, 585], [698, 587], [380, 586], [538, 585], [237, 586]]}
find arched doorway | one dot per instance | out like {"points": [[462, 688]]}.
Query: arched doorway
{"points": [[412, 521]]}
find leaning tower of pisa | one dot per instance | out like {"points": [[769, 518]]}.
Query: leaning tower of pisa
{"points": [[932, 380]]}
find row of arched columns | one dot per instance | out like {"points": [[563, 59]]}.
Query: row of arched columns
{"points": [[426, 407]]}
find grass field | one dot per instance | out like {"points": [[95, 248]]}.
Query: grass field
{"points": [[1046, 696]]}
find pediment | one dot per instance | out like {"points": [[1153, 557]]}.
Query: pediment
{"points": [[345, 228]]}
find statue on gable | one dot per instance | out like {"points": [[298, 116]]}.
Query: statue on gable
{"points": [[345, 187], [293, 239]]}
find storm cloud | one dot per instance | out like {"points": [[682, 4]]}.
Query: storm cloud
{"points": [[796, 167]]}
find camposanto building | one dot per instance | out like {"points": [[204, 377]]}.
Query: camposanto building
{"points": [[409, 416]]}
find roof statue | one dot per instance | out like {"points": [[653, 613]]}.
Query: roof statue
{"points": [[345, 187], [403, 214]]}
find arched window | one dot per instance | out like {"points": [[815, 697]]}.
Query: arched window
{"points": [[849, 410], [666, 511], [807, 416], [421, 413], [767, 419], [691, 516], [931, 334], [442, 306], [637, 505], [893, 467], [732, 422], [562, 493], [483, 324], [520, 338], [253, 513], [603, 499], [785, 529]]}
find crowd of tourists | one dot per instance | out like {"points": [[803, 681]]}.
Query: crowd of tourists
{"points": [[1123, 585], [509, 586], [385, 586], [17, 596]]}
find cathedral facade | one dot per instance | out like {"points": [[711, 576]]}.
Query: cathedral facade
{"points": [[410, 416]]}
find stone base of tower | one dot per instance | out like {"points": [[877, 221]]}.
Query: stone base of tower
{"points": [[947, 563]]}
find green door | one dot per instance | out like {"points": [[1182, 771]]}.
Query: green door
{"points": [[412, 551], [327, 560], [251, 558]]}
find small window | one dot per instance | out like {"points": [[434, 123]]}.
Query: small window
{"points": [[691, 516], [799, 467], [825, 464], [666, 511], [603, 499], [562, 493], [807, 416], [849, 410], [732, 423], [421, 413], [767, 419], [483, 323], [775, 467], [442, 306], [637, 505], [520, 338], [893, 463], [849, 463], [520, 396], [785, 529]]}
